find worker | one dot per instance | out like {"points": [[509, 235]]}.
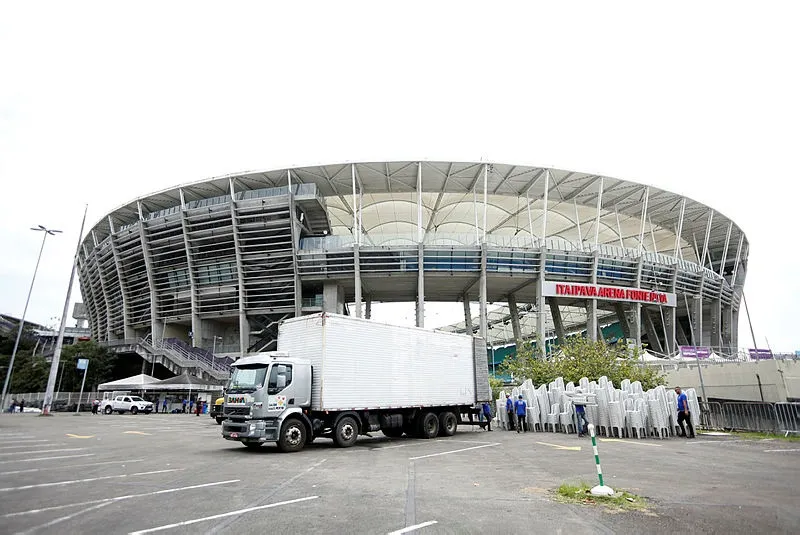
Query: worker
{"points": [[510, 412], [522, 410], [683, 413], [487, 413], [580, 415]]}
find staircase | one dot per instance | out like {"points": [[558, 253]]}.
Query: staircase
{"points": [[178, 357]]}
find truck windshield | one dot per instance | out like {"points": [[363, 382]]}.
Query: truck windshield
{"points": [[247, 378]]}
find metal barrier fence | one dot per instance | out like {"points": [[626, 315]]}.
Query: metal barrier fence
{"points": [[751, 416]]}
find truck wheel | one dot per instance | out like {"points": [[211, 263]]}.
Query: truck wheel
{"points": [[134, 410], [393, 432], [448, 423], [220, 420], [108, 410], [428, 425], [346, 432], [293, 436]]}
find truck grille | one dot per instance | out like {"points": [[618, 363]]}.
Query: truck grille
{"points": [[237, 411]]}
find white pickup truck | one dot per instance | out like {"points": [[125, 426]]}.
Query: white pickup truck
{"points": [[122, 404]]}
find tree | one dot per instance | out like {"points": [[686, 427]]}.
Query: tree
{"points": [[579, 357], [101, 365]]}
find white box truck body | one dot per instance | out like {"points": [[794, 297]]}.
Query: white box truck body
{"points": [[338, 377]]}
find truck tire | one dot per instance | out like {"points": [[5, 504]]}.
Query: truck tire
{"points": [[448, 423], [428, 426], [134, 410], [220, 420], [108, 409], [346, 432], [293, 436]]}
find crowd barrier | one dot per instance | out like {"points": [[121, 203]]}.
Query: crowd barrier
{"points": [[763, 417]]}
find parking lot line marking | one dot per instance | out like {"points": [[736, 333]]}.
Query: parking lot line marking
{"points": [[223, 515], [87, 480], [770, 451], [70, 435], [630, 442], [18, 447], [68, 466], [43, 451], [137, 433], [48, 458], [120, 498], [560, 447], [453, 451], [415, 527], [61, 519]]}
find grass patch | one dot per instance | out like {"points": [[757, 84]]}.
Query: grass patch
{"points": [[621, 501], [751, 435]]}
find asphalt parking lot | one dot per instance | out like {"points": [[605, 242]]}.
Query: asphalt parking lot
{"points": [[175, 474]]}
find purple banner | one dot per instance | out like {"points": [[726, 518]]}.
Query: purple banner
{"points": [[695, 352], [760, 354]]}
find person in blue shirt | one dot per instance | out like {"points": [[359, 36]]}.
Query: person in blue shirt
{"points": [[522, 409], [487, 413], [683, 413], [580, 412], [510, 412]]}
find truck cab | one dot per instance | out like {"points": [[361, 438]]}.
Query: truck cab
{"points": [[265, 391]]}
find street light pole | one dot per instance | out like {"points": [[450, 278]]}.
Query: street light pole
{"points": [[47, 232]]}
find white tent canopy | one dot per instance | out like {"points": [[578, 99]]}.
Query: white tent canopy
{"points": [[184, 382], [136, 382]]}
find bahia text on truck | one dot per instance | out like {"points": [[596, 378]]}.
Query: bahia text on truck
{"points": [[339, 377]]}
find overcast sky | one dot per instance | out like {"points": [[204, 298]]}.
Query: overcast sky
{"points": [[103, 102]]}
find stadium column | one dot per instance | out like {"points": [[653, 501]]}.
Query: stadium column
{"points": [[420, 253], [197, 324], [126, 323], [716, 322], [555, 312], [698, 314], [650, 329], [670, 317], [467, 313], [356, 279], [637, 307], [101, 275], [420, 285], [295, 234], [514, 313], [244, 325], [592, 326], [156, 324], [483, 316], [368, 307], [540, 304]]}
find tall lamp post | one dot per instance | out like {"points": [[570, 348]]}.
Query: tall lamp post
{"points": [[47, 232]]}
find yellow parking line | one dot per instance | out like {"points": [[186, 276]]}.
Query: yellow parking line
{"points": [[137, 433], [630, 442], [560, 447], [70, 435]]}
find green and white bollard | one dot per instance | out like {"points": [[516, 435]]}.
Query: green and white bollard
{"points": [[601, 489]]}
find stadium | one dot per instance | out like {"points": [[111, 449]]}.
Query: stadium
{"points": [[209, 269]]}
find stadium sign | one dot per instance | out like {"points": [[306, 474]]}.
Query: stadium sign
{"points": [[610, 293]]}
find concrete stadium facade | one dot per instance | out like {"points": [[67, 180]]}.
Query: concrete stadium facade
{"points": [[220, 262]]}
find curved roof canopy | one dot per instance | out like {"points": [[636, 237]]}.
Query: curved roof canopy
{"points": [[470, 198]]}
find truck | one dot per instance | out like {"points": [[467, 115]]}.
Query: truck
{"points": [[339, 377], [215, 411]]}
